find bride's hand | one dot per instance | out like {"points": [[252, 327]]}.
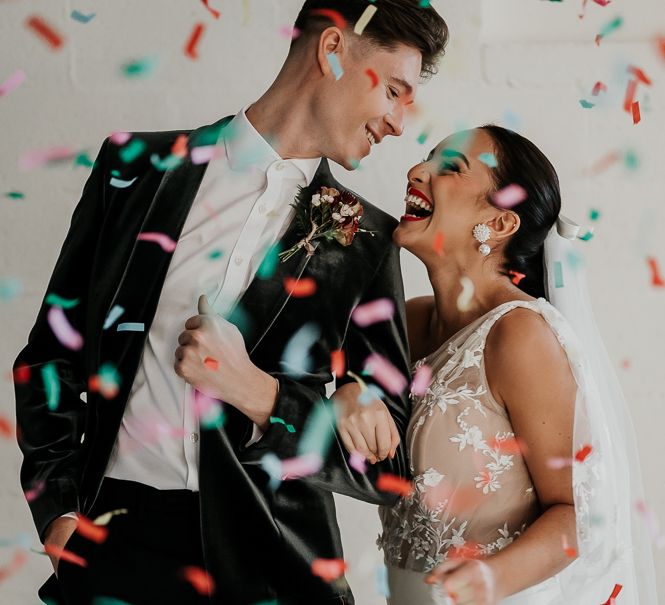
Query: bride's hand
{"points": [[368, 429], [468, 581]]}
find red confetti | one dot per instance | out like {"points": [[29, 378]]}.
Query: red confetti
{"points": [[598, 87], [656, 278], [581, 454], [210, 363], [300, 288], [200, 579], [6, 429], [64, 555], [22, 373], [45, 31], [639, 74], [190, 48], [517, 277], [18, 560], [179, 148], [438, 243], [614, 595], [338, 362], [602, 2], [394, 484], [213, 12], [567, 548], [94, 533], [328, 569], [512, 445], [631, 89], [372, 74], [636, 112], [333, 15]]}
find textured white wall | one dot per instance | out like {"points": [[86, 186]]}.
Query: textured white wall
{"points": [[516, 62]]}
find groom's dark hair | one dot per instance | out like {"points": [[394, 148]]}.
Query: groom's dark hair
{"points": [[395, 22]]}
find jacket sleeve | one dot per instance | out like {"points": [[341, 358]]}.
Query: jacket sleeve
{"points": [[297, 400], [50, 377]]}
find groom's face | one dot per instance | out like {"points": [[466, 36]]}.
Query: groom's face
{"points": [[368, 103]]}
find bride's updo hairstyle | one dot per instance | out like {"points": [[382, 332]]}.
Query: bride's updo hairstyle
{"points": [[520, 162]]}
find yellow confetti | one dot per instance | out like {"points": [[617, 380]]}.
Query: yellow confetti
{"points": [[365, 18]]}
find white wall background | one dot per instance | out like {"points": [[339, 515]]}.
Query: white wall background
{"points": [[520, 63]]}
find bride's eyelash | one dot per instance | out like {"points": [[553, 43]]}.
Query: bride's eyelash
{"points": [[450, 166]]}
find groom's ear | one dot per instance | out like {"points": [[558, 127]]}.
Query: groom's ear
{"points": [[504, 225], [331, 41]]}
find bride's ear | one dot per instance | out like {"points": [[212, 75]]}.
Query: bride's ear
{"points": [[504, 225]]}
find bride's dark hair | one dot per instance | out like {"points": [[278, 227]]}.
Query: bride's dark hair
{"points": [[521, 162]]}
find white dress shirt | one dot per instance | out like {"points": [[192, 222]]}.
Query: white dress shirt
{"points": [[241, 209]]}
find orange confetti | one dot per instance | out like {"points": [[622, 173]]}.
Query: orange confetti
{"points": [[179, 148], [438, 243], [636, 112], [18, 560], [517, 277], [512, 445], [468, 550], [582, 453], [656, 278], [333, 15], [329, 569], [372, 74], [64, 555], [604, 163], [567, 548], [660, 46], [614, 595], [394, 484], [210, 363], [200, 579], [45, 32], [640, 75], [92, 532], [190, 49], [6, 429], [300, 288], [631, 89], [215, 13], [338, 362]]}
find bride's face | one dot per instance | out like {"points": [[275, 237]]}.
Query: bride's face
{"points": [[446, 197]]}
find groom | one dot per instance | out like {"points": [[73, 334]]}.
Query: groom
{"points": [[114, 424]]}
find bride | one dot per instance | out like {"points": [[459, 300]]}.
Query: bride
{"points": [[525, 473]]}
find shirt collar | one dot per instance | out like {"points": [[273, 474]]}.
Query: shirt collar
{"points": [[246, 149]]}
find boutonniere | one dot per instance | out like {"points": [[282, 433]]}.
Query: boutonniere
{"points": [[328, 215]]}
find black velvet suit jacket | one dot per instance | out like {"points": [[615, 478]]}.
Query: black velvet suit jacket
{"points": [[258, 544]]}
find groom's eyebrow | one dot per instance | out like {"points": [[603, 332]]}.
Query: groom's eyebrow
{"points": [[452, 153], [403, 83]]}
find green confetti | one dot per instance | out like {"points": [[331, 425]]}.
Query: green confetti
{"points": [[422, 137], [215, 254], [15, 195], [9, 288], [132, 150], [169, 162], [142, 67], [270, 262], [586, 104], [289, 427], [52, 385], [611, 26], [424, 4], [58, 301], [631, 160], [82, 159], [558, 274], [587, 236], [594, 214], [319, 430]]}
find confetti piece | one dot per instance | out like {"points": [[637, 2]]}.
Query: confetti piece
{"points": [[190, 48], [586, 105], [598, 87], [437, 245], [272, 466], [567, 549], [120, 138], [602, 2], [64, 332], [335, 16], [373, 77], [209, 411], [15, 195], [652, 524], [200, 579], [365, 18], [587, 236], [131, 327], [509, 196], [105, 518], [113, 315], [167, 163], [357, 462], [385, 373], [106, 381], [130, 152], [296, 360], [39, 157], [558, 274], [517, 277], [338, 362], [488, 159], [656, 277], [328, 569], [139, 67], [80, 17], [210, 363], [12, 82], [290, 32], [369, 394], [300, 288], [10, 288], [381, 581], [91, 531], [58, 301], [466, 295], [205, 154], [559, 463], [167, 244], [301, 466], [614, 595], [319, 430], [629, 97], [214, 12], [608, 28], [65, 555], [421, 380], [394, 484], [19, 559], [289, 427], [52, 385], [424, 4], [424, 135], [639, 74], [636, 112], [333, 61], [47, 33], [269, 263], [510, 445], [21, 373], [582, 453], [660, 46], [381, 309], [6, 429], [594, 214], [34, 492]]}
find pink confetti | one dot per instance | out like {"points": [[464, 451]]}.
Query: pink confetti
{"points": [[652, 524], [120, 138], [39, 157], [63, 330], [509, 196], [385, 373], [12, 82], [598, 87], [421, 380], [206, 153], [559, 463], [289, 32], [381, 309], [167, 244], [34, 492], [301, 466], [357, 461]]}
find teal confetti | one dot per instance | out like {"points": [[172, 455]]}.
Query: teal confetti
{"points": [[131, 327], [558, 274], [15, 195], [113, 315], [333, 61], [119, 183], [631, 160], [169, 162], [9, 288], [370, 394], [584, 103], [289, 427], [108, 601], [142, 67], [58, 301], [422, 137], [82, 159], [132, 150], [296, 360], [319, 430], [215, 254], [81, 18], [594, 214], [272, 466], [488, 159], [611, 26], [269, 263], [424, 4], [587, 236], [213, 418], [52, 385]]}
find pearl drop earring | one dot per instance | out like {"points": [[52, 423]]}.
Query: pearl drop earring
{"points": [[482, 233]]}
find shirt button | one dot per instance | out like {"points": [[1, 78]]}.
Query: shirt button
{"points": [[238, 260], [193, 437]]}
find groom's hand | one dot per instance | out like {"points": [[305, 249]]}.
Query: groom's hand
{"points": [[212, 358]]}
